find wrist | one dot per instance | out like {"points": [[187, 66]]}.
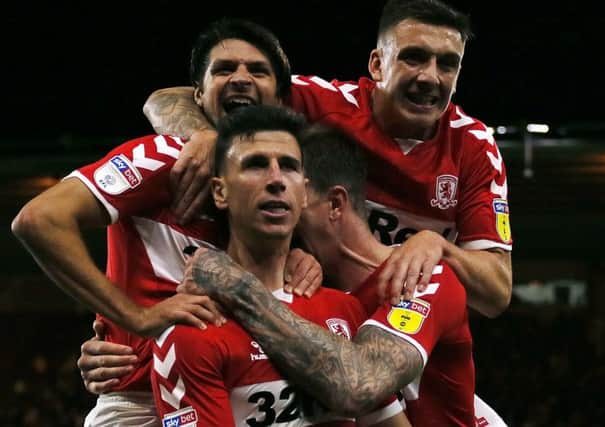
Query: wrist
{"points": [[135, 319], [450, 251]]}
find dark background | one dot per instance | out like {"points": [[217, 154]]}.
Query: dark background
{"points": [[75, 77], [87, 68]]}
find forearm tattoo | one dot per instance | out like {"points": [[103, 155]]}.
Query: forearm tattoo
{"points": [[220, 277], [347, 377], [175, 112], [351, 378]]}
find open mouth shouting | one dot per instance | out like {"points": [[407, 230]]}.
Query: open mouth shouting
{"points": [[233, 102]]}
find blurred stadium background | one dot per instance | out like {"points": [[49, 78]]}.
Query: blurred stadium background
{"points": [[541, 363]]}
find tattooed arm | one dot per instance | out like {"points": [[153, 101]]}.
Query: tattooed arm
{"points": [[173, 111], [349, 377]]}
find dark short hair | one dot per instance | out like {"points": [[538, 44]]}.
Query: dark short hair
{"points": [[334, 158], [258, 36], [255, 118], [433, 12]]}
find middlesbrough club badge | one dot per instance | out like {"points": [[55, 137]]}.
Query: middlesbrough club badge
{"points": [[445, 192]]}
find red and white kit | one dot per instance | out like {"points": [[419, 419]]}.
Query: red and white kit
{"points": [[454, 184], [221, 376], [144, 243], [436, 323]]}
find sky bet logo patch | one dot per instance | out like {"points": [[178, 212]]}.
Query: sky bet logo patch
{"points": [[186, 417], [117, 175], [408, 316], [123, 165]]}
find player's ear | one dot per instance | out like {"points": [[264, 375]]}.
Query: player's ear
{"points": [[219, 192], [305, 201], [197, 96], [375, 63], [339, 199]]}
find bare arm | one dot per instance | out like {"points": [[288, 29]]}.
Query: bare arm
{"points": [[351, 378], [173, 111], [486, 274], [50, 227]]}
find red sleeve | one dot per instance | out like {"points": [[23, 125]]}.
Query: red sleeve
{"points": [[133, 176], [187, 378], [316, 98], [483, 216], [433, 315]]}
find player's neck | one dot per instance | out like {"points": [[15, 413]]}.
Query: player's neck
{"points": [[265, 259], [359, 255]]}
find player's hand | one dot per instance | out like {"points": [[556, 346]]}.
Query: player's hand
{"points": [[410, 266], [193, 310], [190, 175], [303, 274], [102, 364]]}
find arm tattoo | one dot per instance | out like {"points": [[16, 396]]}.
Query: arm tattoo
{"points": [[173, 111], [221, 278], [350, 377]]}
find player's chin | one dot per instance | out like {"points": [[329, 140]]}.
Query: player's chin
{"points": [[423, 115], [276, 231]]}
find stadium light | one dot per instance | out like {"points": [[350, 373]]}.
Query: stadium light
{"points": [[537, 128]]}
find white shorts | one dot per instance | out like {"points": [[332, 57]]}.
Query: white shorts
{"points": [[123, 408], [486, 416]]}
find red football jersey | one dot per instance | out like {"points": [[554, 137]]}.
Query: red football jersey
{"points": [[221, 376], [454, 184], [436, 323], [144, 243]]}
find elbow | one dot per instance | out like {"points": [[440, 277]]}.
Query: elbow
{"points": [[500, 301], [150, 104], [358, 401], [31, 221]]}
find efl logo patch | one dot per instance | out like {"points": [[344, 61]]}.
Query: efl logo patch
{"points": [[117, 175], [445, 192], [502, 221], [186, 417], [339, 327], [408, 316]]}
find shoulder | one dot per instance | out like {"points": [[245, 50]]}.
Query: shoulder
{"points": [[191, 342], [161, 144], [468, 130], [161, 148], [334, 296], [137, 158], [334, 307], [472, 140], [300, 81], [334, 94]]}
